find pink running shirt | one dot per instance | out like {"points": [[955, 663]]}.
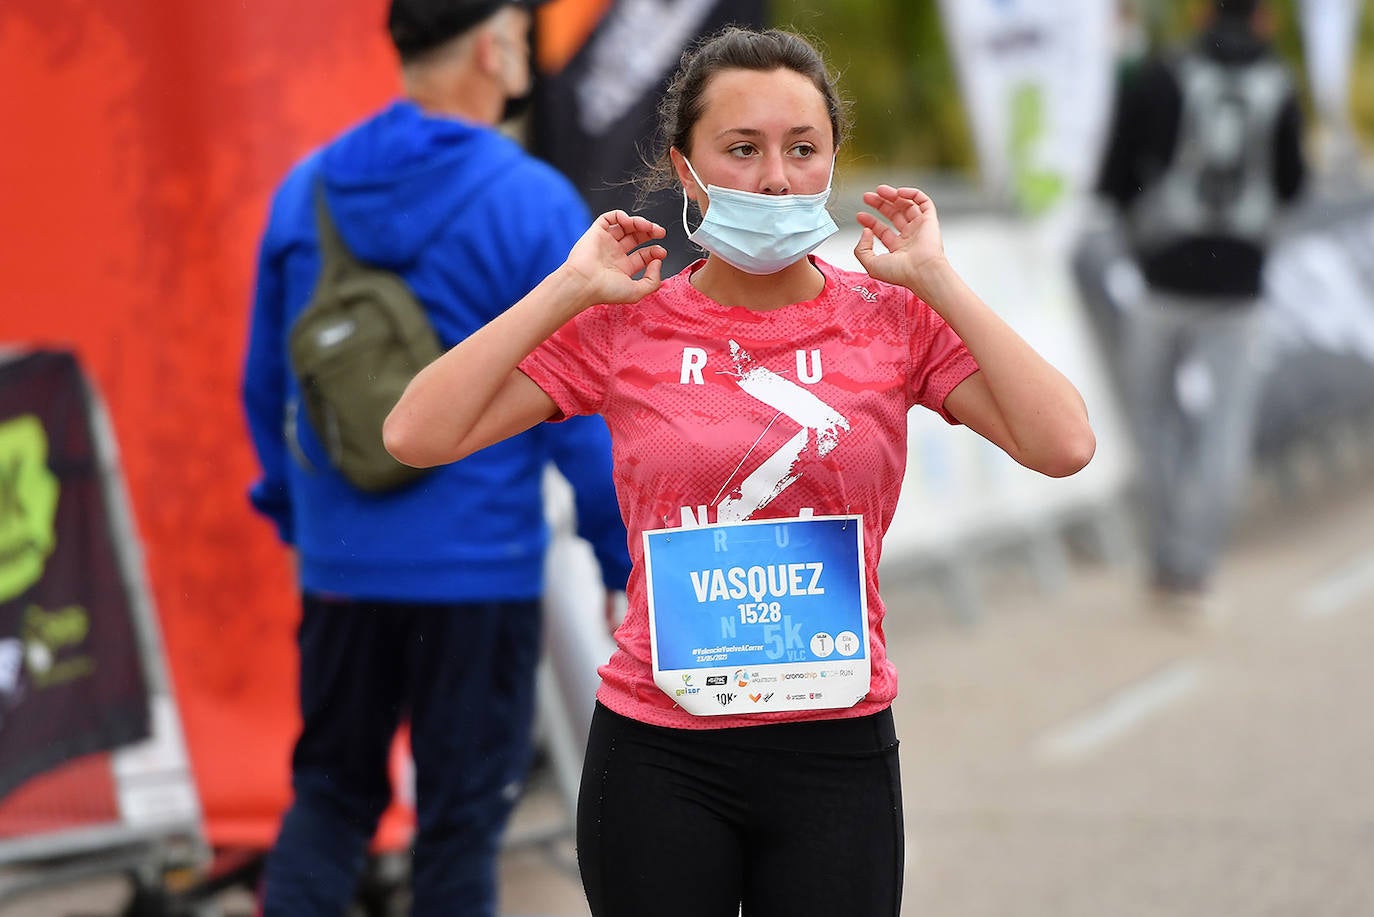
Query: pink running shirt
{"points": [[668, 375]]}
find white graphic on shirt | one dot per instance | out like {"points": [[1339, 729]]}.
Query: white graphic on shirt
{"points": [[822, 429], [865, 293]]}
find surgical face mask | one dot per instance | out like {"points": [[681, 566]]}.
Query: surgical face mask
{"points": [[760, 233]]}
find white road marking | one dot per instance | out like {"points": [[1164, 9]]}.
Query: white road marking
{"points": [[1340, 590], [1119, 714]]}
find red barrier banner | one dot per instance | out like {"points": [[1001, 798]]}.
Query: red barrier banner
{"points": [[143, 139]]}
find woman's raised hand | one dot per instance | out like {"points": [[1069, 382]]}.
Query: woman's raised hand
{"points": [[613, 251], [909, 230]]}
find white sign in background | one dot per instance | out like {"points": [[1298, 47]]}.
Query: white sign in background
{"points": [[1328, 36], [1037, 82]]}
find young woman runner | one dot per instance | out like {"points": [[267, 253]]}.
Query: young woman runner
{"points": [[742, 754]]}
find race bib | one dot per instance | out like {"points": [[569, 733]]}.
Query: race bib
{"points": [[759, 616]]}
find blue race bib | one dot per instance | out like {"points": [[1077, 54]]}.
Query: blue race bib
{"points": [[755, 616]]}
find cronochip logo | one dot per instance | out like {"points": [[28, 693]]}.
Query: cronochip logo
{"points": [[28, 504]]}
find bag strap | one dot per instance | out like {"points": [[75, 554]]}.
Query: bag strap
{"points": [[336, 255]]}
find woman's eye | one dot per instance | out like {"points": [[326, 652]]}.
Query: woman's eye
{"points": [[803, 150], [744, 149]]}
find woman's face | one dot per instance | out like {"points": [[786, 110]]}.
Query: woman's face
{"points": [[765, 132]]}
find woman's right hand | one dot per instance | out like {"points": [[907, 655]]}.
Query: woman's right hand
{"points": [[609, 255]]}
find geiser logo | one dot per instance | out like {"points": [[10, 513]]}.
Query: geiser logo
{"points": [[28, 504], [687, 687]]}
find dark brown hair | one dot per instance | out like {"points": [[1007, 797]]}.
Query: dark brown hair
{"points": [[732, 48]]}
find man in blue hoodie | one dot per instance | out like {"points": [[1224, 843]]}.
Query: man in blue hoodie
{"points": [[421, 603]]}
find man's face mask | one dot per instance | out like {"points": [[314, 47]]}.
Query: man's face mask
{"points": [[760, 233]]}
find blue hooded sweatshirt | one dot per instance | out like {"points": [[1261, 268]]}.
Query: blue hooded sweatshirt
{"points": [[472, 223]]}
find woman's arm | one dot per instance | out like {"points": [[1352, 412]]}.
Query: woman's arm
{"points": [[473, 395], [1017, 399]]}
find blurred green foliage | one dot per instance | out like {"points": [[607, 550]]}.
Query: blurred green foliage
{"points": [[897, 74], [895, 71]]}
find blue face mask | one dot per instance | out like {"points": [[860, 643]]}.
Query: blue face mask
{"points": [[760, 233]]}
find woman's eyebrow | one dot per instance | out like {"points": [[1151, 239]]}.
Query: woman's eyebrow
{"points": [[754, 132]]}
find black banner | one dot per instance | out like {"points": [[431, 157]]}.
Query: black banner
{"points": [[71, 678], [596, 118]]}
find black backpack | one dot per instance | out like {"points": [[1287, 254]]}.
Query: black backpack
{"points": [[362, 337], [1219, 180]]}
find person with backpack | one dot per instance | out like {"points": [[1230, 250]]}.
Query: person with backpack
{"points": [[1203, 157], [420, 592]]}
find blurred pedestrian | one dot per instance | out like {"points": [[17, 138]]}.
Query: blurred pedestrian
{"points": [[421, 603], [1204, 154], [742, 756]]}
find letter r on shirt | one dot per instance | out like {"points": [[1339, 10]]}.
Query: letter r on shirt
{"points": [[693, 359]]}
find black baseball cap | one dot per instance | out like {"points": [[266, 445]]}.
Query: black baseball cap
{"points": [[417, 26]]}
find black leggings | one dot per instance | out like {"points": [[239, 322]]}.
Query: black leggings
{"points": [[788, 820]]}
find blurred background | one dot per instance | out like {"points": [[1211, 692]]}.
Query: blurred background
{"points": [[1064, 753]]}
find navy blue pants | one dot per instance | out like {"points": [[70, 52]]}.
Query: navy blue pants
{"points": [[463, 675]]}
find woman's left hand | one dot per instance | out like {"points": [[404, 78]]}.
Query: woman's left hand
{"points": [[911, 235]]}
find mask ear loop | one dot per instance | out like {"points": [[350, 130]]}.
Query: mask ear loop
{"points": [[685, 228], [829, 184]]}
